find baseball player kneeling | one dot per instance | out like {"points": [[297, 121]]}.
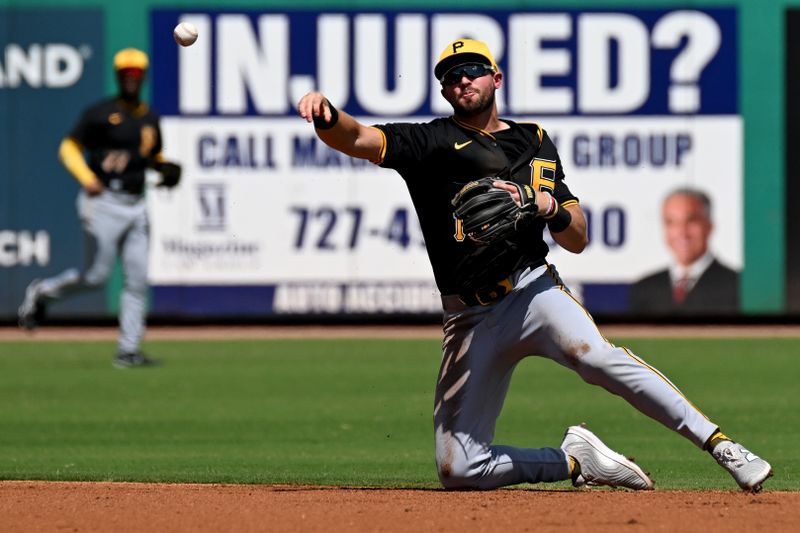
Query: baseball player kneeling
{"points": [[484, 189]]}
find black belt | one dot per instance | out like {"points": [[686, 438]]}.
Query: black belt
{"points": [[494, 292]]}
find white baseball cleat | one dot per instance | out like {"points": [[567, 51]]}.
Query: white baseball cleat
{"points": [[599, 464], [748, 469]]}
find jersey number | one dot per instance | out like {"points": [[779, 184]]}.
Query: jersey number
{"points": [[543, 175], [115, 162], [459, 235]]}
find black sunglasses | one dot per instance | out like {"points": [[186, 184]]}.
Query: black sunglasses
{"points": [[470, 70]]}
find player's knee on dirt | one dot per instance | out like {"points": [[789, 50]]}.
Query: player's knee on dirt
{"points": [[457, 470], [458, 475]]}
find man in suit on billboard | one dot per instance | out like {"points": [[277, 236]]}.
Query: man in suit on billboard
{"points": [[695, 282]]}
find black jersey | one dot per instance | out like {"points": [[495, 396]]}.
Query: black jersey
{"points": [[437, 158], [120, 141]]}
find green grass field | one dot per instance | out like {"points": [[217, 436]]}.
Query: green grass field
{"points": [[358, 412]]}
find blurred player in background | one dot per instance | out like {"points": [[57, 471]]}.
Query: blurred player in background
{"points": [[122, 138], [695, 281], [502, 300]]}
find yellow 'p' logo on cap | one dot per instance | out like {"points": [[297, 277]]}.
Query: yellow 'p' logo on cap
{"points": [[463, 51]]}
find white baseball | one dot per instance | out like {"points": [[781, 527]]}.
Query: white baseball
{"points": [[185, 33]]}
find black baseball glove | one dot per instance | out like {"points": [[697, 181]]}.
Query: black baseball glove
{"points": [[170, 174], [489, 214]]}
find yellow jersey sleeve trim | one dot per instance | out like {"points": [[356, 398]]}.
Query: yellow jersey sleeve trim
{"points": [[569, 203], [382, 151], [71, 154], [539, 130]]}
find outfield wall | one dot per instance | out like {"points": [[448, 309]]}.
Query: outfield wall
{"points": [[270, 223]]}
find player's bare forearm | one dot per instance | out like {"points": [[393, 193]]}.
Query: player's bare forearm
{"points": [[352, 138], [573, 238], [346, 134]]}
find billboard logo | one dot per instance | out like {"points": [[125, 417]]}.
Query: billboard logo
{"points": [[53, 66], [211, 201]]}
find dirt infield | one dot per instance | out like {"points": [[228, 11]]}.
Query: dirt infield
{"points": [[85, 507]]}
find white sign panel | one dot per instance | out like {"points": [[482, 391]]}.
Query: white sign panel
{"points": [[271, 203]]}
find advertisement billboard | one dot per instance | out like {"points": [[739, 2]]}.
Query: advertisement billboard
{"points": [[640, 103]]}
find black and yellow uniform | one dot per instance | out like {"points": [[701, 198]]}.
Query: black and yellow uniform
{"points": [[488, 331], [108, 151], [436, 159], [121, 143]]}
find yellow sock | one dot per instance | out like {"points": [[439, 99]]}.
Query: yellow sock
{"points": [[574, 467], [715, 439]]}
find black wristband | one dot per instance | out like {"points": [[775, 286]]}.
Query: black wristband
{"points": [[319, 122], [559, 221]]}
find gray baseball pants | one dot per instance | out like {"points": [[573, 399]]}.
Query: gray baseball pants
{"points": [[115, 224], [481, 347]]}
